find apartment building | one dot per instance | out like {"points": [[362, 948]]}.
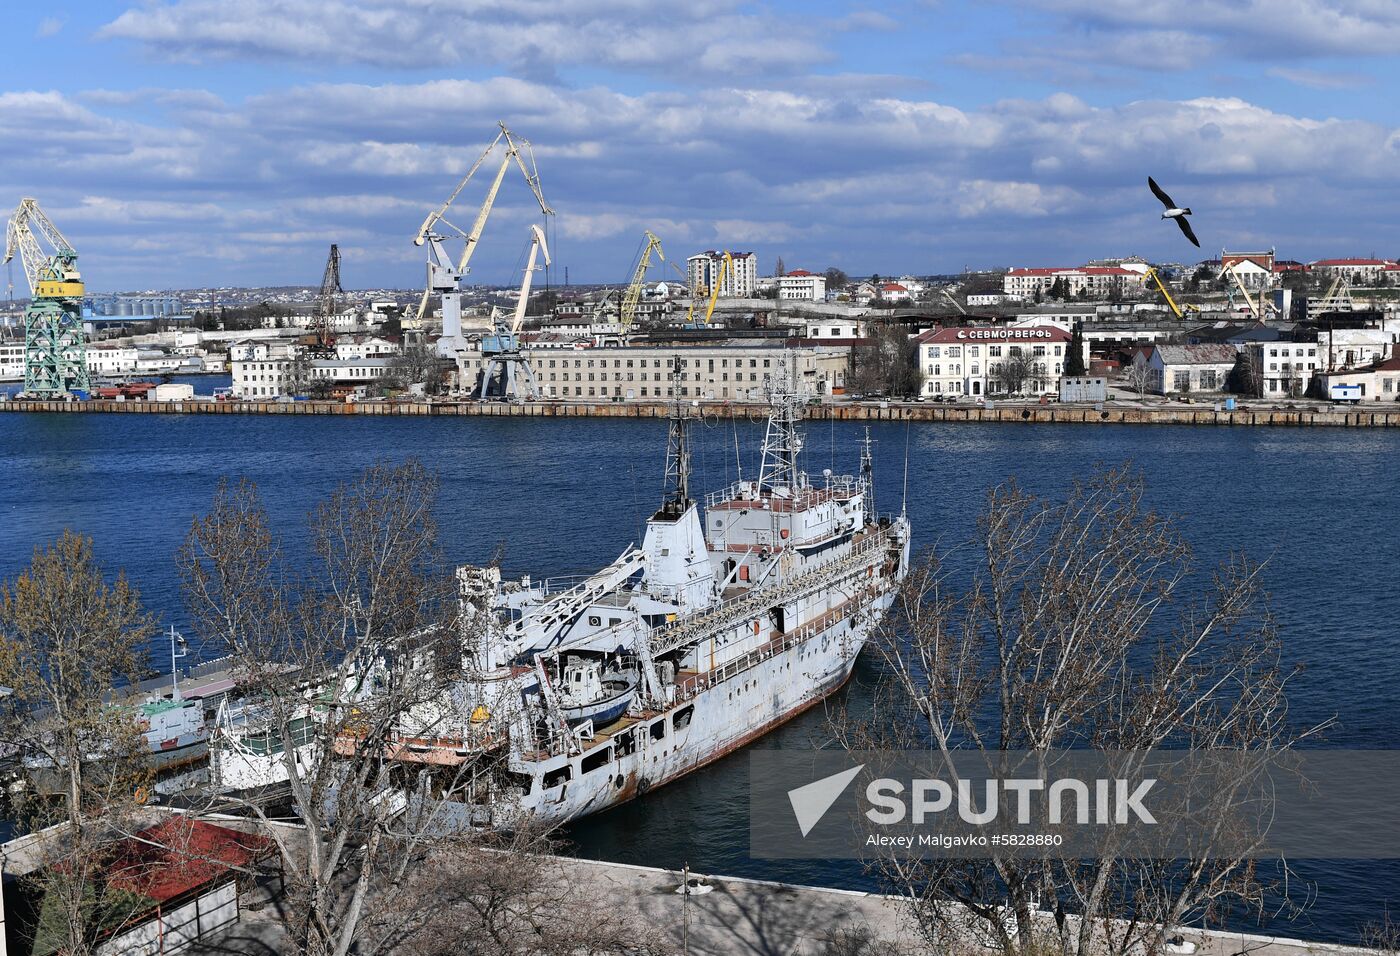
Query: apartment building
{"points": [[705, 268], [1091, 281], [1356, 271]]}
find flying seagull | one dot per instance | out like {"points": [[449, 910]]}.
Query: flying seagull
{"points": [[1173, 211]]}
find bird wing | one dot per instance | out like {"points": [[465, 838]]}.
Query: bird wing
{"points": [[1159, 193], [1186, 228]]}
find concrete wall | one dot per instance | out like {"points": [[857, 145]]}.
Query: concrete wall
{"points": [[1349, 417]]}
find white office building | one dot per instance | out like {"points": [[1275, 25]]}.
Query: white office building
{"points": [[261, 369], [974, 361], [803, 286]]}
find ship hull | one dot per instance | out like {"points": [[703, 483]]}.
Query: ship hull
{"points": [[715, 722]]}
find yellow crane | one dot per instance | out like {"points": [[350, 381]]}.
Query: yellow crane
{"points": [[634, 289], [726, 268], [1177, 310]]}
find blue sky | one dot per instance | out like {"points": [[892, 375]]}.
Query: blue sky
{"points": [[185, 143]]}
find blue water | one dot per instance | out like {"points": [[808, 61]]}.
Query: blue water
{"points": [[567, 495]]}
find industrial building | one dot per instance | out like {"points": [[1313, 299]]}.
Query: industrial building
{"points": [[724, 372]]}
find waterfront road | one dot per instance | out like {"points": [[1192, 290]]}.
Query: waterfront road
{"points": [[740, 917]]}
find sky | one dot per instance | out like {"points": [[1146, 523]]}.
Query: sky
{"points": [[195, 143]]}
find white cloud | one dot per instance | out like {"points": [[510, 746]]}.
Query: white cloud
{"points": [[1321, 79], [1175, 34], [532, 39], [253, 191], [50, 26]]}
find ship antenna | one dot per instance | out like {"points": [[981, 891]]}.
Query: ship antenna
{"points": [[867, 474], [781, 442], [904, 505], [738, 461], [677, 484]]}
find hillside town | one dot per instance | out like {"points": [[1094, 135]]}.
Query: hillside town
{"points": [[1240, 326]]}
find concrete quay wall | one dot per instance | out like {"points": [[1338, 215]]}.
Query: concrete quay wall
{"points": [[1342, 417]]}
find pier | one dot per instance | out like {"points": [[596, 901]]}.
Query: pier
{"points": [[1373, 416]]}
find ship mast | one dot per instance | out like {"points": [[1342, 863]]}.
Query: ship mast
{"points": [[867, 475], [781, 443], [676, 492]]}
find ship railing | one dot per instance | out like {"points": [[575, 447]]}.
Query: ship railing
{"points": [[733, 491], [834, 486], [732, 668], [671, 636]]}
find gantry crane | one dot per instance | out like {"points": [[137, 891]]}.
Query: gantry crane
{"points": [[55, 349], [633, 295], [326, 304], [445, 273], [505, 373]]}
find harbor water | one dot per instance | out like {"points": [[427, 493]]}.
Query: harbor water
{"points": [[566, 495]]}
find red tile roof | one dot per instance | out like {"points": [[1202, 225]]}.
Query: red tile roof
{"points": [[179, 855], [1351, 262], [801, 272], [893, 287], [1037, 272]]}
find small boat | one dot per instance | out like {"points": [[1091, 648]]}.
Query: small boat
{"points": [[589, 694]]}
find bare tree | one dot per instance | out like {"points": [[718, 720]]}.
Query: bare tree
{"points": [[888, 364], [338, 655], [1077, 632], [1014, 371], [69, 644], [516, 898], [1138, 375], [417, 364]]}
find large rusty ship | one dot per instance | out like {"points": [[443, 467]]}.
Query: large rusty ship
{"points": [[723, 624]]}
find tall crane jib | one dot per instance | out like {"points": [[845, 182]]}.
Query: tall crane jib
{"points": [[55, 348], [633, 296], [327, 303], [444, 271]]}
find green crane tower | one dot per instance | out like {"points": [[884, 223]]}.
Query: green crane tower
{"points": [[55, 350]]}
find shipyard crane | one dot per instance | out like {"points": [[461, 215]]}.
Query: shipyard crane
{"points": [[55, 349], [506, 373], [326, 304], [444, 272], [1178, 310], [633, 295], [726, 267], [1256, 310]]}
